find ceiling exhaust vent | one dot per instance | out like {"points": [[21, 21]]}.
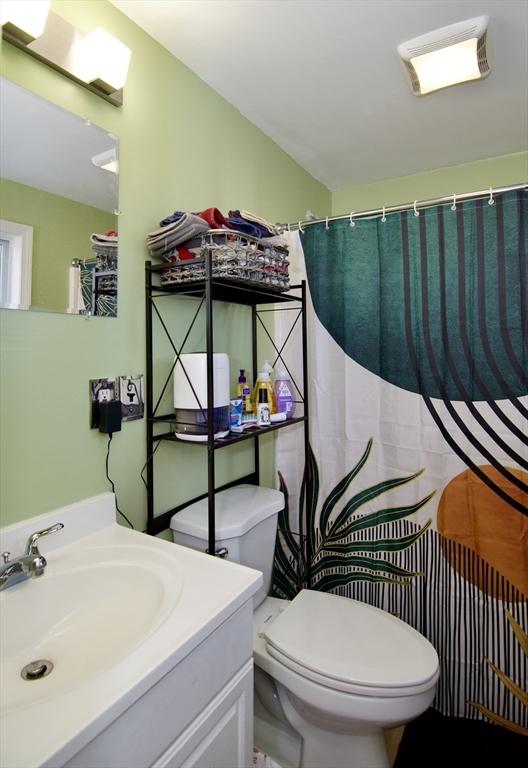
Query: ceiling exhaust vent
{"points": [[447, 56]]}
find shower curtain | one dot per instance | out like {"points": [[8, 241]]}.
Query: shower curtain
{"points": [[415, 497]]}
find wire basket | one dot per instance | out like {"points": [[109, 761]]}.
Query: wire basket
{"points": [[234, 257]]}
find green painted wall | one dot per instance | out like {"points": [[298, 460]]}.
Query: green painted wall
{"points": [[468, 177], [181, 146], [61, 232]]}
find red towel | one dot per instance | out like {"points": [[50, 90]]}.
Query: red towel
{"points": [[213, 217]]}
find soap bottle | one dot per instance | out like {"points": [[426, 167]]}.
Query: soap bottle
{"points": [[264, 382], [241, 382], [263, 409], [244, 392], [284, 394]]}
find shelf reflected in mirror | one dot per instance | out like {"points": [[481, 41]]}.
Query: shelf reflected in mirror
{"points": [[58, 208]]}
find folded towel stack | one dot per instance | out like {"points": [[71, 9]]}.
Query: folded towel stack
{"points": [[173, 240], [105, 248], [243, 247], [105, 243], [250, 224], [181, 227]]}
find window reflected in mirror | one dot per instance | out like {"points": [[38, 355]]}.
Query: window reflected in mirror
{"points": [[58, 208]]}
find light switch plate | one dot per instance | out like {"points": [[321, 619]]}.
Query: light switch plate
{"points": [[132, 398]]}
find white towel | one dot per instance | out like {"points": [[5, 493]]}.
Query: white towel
{"points": [[275, 229], [75, 298]]}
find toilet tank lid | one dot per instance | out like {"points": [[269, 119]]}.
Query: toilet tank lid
{"points": [[237, 510]]}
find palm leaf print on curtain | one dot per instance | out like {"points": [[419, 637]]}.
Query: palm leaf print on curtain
{"points": [[418, 412], [346, 546]]}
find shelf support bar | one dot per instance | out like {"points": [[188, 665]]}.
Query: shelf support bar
{"points": [[256, 447], [149, 399], [307, 473], [210, 401]]}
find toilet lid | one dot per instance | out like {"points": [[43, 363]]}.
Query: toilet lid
{"points": [[351, 646]]}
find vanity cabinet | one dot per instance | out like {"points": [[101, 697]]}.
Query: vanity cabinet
{"points": [[200, 714], [261, 298], [222, 734]]}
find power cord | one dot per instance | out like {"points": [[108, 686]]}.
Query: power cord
{"points": [[112, 482], [145, 465], [142, 476]]}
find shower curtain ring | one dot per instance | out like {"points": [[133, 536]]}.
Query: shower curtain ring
{"points": [[352, 222], [327, 227], [416, 212], [491, 201], [384, 218], [453, 207], [301, 230]]}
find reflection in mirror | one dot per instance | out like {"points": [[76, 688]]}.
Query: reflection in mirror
{"points": [[58, 206]]}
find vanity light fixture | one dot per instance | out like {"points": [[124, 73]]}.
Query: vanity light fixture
{"points": [[97, 60], [25, 21], [447, 56], [106, 160], [108, 58]]}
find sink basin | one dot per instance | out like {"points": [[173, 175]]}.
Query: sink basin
{"points": [[114, 612], [90, 609]]}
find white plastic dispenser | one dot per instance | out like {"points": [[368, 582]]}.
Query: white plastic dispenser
{"points": [[191, 407], [245, 524]]}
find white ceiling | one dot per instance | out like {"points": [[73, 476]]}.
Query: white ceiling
{"points": [[322, 78]]}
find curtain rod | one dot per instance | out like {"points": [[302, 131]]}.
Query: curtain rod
{"points": [[416, 205]]}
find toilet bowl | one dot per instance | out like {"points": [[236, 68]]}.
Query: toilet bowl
{"points": [[344, 672], [330, 672]]}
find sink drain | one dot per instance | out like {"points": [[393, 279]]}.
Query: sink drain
{"points": [[35, 670]]}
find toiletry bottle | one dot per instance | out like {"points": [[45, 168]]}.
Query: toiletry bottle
{"points": [[284, 394], [264, 382], [263, 409], [241, 382], [244, 392]]}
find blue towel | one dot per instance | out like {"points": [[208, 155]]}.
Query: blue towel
{"points": [[236, 221], [176, 216]]}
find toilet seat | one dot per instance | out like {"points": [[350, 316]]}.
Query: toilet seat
{"points": [[350, 646]]}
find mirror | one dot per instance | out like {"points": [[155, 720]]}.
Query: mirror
{"points": [[58, 206]]}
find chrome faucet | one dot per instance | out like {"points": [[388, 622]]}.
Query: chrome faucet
{"points": [[30, 565]]}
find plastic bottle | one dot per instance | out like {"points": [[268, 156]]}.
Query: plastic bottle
{"points": [[241, 382], [284, 394], [263, 409], [264, 382], [244, 392]]}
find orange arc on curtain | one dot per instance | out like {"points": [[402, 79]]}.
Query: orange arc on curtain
{"points": [[471, 514]]}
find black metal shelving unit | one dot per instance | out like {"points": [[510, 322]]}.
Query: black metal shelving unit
{"points": [[97, 279], [206, 291]]}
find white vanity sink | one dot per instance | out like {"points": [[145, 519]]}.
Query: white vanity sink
{"points": [[90, 609], [115, 611]]}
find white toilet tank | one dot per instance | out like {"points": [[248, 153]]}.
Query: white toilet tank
{"points": [[245, 524]]}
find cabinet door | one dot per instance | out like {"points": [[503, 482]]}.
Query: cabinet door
{"points": [[222, 735]]}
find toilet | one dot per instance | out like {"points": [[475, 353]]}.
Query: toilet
{"points": [[331, 673]]}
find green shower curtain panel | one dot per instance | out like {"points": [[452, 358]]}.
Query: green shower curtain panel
{"points": [[417, 495]]}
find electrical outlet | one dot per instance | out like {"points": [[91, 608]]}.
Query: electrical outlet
{"points": [[101, 390], [131, 396]]}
